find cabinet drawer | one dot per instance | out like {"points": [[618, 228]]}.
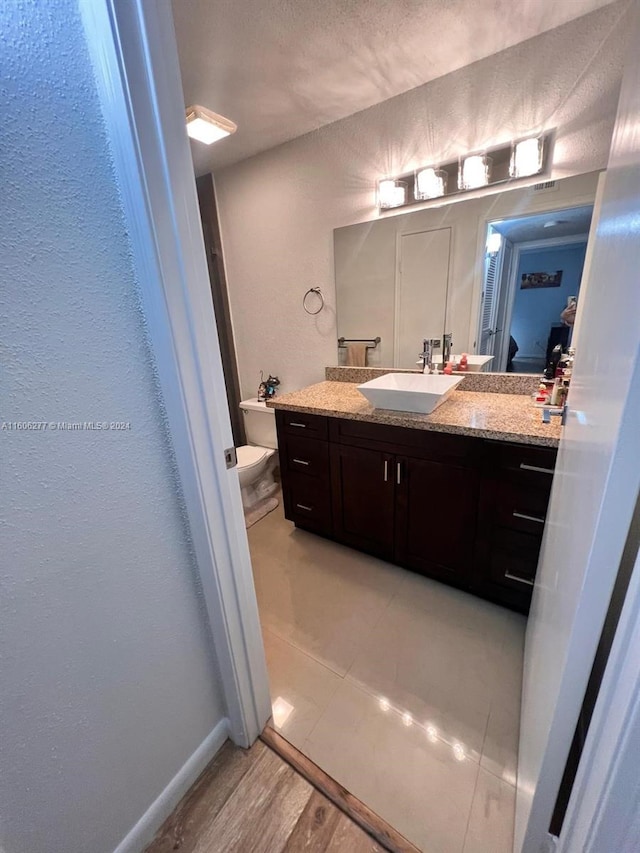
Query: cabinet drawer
{"points": [[513, 559], [296, 423], [531, 466], [307, 456], [519, 508], [419, 443], [308, 501]]}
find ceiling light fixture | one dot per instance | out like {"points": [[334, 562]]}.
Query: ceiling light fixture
{"points": [[474, 172], [494, 242], [207, 126], [391, 193], [526, 157], [430, 183]]}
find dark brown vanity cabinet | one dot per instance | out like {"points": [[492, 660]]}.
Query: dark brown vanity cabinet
{"points": [[436, 518], [514, 500], [363, 498], [463, 510]]}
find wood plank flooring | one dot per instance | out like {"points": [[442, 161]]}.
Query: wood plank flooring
{"points": [[388, 837], [251, 801]]}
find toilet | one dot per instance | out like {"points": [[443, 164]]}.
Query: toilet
{"points": [[257, 459]]}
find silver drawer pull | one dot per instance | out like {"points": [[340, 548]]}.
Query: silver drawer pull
{"points": [[519, 580], [301, 462], [302, 426], [386, 470], [536, 468], [526, 517], [305, 508], [398, 472]]}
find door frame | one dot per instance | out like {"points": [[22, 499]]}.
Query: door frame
{"points": [[510, 297], [134, 54], [132, 45]]}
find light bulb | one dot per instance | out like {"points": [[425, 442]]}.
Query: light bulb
{"points": [[526, 157], [430, 183], [474, 172]]}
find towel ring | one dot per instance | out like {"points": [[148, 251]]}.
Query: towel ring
{"points": [[318, 293]]}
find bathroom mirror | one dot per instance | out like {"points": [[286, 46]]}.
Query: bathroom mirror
{"points": [[495, 270]]}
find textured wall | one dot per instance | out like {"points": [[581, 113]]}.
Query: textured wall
{"points": [[108, 680], [278, 209]]}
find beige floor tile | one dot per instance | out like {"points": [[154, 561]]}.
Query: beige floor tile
{"points": [[500, 748], [432, 664], [491, 822], [321, 597], [358, 649], [423, 788], [300, 688]]}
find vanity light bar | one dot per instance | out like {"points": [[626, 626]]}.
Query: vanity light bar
{"points": [[521, 158]]}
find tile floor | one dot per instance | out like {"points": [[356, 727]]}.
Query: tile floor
{"points": [[404, 690]]}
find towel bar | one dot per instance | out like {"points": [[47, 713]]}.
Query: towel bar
{"points": [[371, 343]]}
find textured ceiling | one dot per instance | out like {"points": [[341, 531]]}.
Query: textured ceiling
{"points": [[569, 223], [281, 68]]}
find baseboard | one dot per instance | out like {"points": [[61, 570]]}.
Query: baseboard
{"points": [[145, 829]]}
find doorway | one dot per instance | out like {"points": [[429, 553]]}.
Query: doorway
{"points": [[533, 272]]}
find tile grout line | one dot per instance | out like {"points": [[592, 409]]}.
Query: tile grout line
{"points": [[473, 796], [302, 651]]}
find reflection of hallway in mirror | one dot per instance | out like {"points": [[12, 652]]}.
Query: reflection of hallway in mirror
{"points": [[533, 268], [404, 690]]}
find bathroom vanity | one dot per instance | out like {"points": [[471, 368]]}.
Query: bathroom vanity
{"points": [[459, 495]]}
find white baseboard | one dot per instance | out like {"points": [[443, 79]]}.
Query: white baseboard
{"points": [[144, 830]]}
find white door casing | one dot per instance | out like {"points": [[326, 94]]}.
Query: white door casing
{"points": [[134, 54]]}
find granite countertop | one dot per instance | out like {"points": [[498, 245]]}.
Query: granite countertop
{"points": [[506, 417]]}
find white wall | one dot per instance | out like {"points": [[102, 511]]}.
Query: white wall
{"points": [[278, 209], [109, 680]]}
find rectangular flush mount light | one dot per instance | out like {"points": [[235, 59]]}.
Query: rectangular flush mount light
{"points": [[207, 126], [526, 157]]}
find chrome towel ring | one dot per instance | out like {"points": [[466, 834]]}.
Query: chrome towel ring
{"points": [[318, 293]]}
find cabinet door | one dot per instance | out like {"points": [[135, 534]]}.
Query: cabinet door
{"points": [[436, 518], [363, 498]]}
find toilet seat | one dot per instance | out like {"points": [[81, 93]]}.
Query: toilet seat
{"points": [[250, 456]]}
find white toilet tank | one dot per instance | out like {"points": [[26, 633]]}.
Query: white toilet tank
{"points": [[259, 423]]}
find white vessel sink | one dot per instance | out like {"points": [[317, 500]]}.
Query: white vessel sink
{"points": [[475, 362], [409, 392]]}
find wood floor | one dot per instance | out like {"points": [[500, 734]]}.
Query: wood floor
{"points": [[251, 801]]}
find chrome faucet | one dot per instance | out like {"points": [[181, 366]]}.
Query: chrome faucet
{"points": [[547, 414], [428, 347], [446, 348]]}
